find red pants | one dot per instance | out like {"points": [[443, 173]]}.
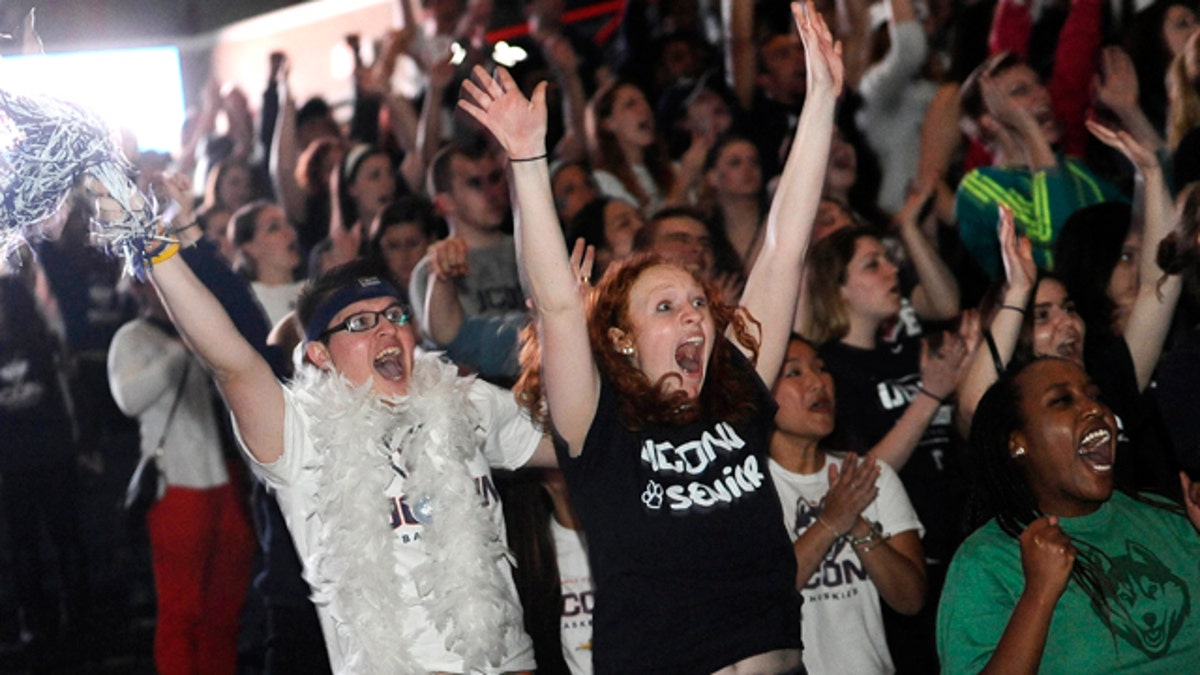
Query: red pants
{"points": [[202, 547]]}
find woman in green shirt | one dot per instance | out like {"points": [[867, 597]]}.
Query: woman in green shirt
{"points": [[1065, 575]]}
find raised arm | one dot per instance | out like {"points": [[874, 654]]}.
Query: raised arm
{"points": [[1047, 555], [564, 66], [936, 295], [774, 284], [569, 374], [241, 373], [429, 126], [940, 372], [741, 62], [284, 155], [1150, 318], [987, 361]]}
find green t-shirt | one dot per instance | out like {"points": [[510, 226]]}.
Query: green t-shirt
{"points": [[1152, 557]]}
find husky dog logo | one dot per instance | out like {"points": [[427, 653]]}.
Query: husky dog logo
{"points": [[1149, 603], [806, 517]]}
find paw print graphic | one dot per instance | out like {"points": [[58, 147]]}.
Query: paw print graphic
{"points": [[653, 495]]}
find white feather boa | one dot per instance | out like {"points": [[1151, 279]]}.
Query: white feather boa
{"points": [[353, 569]]}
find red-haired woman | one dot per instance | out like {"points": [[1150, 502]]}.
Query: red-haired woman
{"points": [[659, 397]]}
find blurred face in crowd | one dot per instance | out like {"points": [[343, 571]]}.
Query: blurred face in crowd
{"points": [[782, 68], [621, 223], [403, 245], [737, 171], [1058, 330], [234, 187], [831, 217], [573, 189], [1124, 283], [679, 61], [684, 241], [373, 186], [1179, 24], [708, 114], [1025, 89], [872, 287], [274, 245], [805, 394], [478, 196], [631, 120]]}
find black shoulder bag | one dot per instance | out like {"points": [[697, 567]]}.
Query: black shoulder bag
{"points": [[142, 491]]}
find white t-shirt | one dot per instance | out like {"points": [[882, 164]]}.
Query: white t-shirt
{"points": [[842, 625], [277, 301], [578, 597], [611, 186], [506, 439], [144, 367]]}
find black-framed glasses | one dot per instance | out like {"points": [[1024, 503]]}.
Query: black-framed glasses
{"points": [[397, 314]]}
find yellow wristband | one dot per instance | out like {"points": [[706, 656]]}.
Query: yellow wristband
{"points": [[170, 250]]}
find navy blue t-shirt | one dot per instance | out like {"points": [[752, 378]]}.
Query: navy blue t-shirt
{"points": [[692, 564]]}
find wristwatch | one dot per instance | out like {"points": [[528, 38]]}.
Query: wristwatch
{"points": [[874, 535]]}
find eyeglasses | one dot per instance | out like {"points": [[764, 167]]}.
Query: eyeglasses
{"points": [[478, 182], [358, 322]]}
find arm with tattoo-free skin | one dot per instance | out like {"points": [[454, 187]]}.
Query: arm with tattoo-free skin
{"points": [[773, 286], [569, 374], [895, 565]]}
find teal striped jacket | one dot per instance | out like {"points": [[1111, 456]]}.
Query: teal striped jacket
{"points": [[1040, 202]]}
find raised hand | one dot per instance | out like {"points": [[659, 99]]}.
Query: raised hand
{"points": [[1118, 89], [583, 256], [940, 367], [1141, 156], [823, 53], [448, 258], [1047, 556], [850, 491], [1016, 252], [558, 52], [518, 123], [1001, 107]]}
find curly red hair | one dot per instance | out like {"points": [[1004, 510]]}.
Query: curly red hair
{"points": [[644, 402]]}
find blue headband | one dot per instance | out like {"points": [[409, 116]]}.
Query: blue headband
{"points": [[365, 288]]}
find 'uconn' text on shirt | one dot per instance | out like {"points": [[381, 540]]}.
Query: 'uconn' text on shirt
{"points": [[694, 459]]}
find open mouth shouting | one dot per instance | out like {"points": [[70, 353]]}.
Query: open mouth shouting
{"points": [[822, 404], [689, 356], [1071, 349], [389, 364], [1096, 449]]}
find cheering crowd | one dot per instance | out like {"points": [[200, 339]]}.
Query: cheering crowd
{"points": [[752, 338]]}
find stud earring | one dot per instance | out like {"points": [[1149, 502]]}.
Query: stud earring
{"points": [[627, 350], [1019, 452]]}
